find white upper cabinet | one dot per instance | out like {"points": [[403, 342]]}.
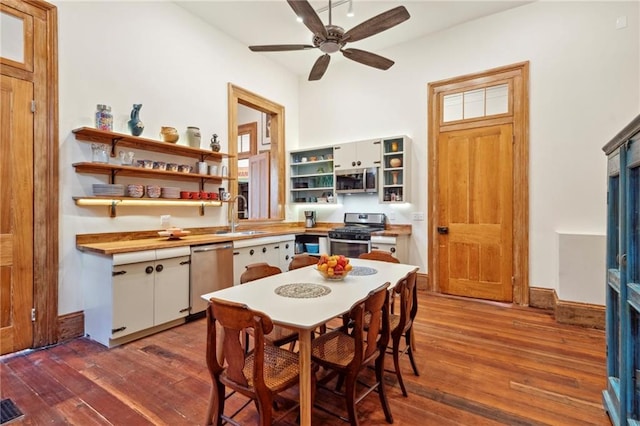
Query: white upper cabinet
{"points": [[357, 155]]}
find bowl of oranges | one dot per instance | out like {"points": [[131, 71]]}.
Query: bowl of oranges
{"points": [[334, 267]]}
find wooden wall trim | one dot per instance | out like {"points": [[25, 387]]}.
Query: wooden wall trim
{"points": [[70, 326], [568, 312]]}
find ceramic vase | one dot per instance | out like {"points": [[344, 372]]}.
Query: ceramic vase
{"points": [[193, 136], [135, 125], [215, 144], [394, 177], [169, 134], [395, 162]]}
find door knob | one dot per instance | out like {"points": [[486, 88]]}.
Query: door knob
{"points": [[443, 230]]}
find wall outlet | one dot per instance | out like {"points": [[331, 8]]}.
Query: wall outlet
{"points": [[417, 216], [165, 221]]}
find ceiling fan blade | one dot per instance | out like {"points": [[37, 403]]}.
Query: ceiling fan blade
{"points": [[310, 18], [320, 67], [377, 24], [280, 47], [368, 58]]}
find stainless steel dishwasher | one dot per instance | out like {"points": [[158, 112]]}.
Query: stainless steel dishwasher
{"points": [[211, 270]]}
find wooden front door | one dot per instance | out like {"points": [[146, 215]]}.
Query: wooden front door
{"points": [[16, 215], [474, 199], [478, 233]]}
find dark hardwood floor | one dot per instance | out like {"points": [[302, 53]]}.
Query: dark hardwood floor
{"points": [[481, 363]]}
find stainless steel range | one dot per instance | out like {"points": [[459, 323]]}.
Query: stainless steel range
{"points": [[354, 238]]}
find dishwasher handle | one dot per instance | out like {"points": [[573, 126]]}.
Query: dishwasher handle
{"points": [[211, 248]]}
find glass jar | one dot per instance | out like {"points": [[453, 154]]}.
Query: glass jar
{"points": [[104, 118]]}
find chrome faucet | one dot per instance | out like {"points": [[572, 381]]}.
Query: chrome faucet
{"points": [[233, 219]]}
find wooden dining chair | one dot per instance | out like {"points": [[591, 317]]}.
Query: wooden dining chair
{"points": [[260, 375], [302, 260], [351, 348], [279, 336], [382, 255], [401, 325]]}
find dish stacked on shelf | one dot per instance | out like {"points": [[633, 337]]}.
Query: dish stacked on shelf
{"points": [[170, 192], [135, 190], [108, 190], [153, 191]]}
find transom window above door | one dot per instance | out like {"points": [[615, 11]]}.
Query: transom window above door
{"points": [[476, 103]]}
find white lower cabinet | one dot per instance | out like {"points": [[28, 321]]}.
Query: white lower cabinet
{"points": [[396, 245], [275, 250], [131, 295]]}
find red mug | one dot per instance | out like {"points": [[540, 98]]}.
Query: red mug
{"points": [[204, 195], [195, 195], [185, 195], [213, 195]]}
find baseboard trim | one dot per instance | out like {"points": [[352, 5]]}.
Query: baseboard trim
{"points": [[567, 312], [70, 326], [422, 282]]}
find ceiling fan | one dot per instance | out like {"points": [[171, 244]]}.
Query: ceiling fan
{"points": [[332, 38]]}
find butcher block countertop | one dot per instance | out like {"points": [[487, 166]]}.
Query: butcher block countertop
{"points": [[125, 242]]}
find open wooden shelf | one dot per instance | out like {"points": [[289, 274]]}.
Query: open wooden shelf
{"points": [[89, 134], [118, 170]]}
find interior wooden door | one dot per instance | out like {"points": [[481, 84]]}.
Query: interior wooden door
{"points": [[16, 215], [475, 212], [259, 194]]}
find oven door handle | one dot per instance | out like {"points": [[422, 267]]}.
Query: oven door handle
{"points": [[339, 240]]}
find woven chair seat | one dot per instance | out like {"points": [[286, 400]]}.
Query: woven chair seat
{"points": [[280, 368], [394, 322], [334, 347]]}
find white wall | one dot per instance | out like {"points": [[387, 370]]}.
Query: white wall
{"points": [[584, 87], [178, 67]]}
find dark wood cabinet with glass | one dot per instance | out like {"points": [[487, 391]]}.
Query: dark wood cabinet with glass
{"points": [[622, 396]]}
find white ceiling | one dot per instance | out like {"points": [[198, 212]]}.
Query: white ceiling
{"points": [[274, 22]]}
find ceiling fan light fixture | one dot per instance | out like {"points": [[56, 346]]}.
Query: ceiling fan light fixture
{"points": [[330, 47]]}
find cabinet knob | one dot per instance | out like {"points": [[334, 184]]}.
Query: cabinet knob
{"points": [[149, 270], [251, 252], [353, 163], [392, 249], [159, 268], [114, 273], [264, 249], [358, 162]]}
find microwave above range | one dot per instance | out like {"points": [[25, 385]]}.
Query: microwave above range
{"points": [[357, 180]]}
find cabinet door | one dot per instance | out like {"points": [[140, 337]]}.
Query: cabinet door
{"points": [[368, 153], [287, 249], [171, 289], [243, 257], [344, 156], [132, 298], [271, 254], [385, 247]]}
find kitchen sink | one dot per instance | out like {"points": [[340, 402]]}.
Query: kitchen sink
{"points": [[239, 233]]}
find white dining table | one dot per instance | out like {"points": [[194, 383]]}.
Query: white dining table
{"points": [[306, 311]]}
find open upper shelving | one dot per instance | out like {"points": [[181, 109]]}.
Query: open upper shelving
{"points": [[114, 140]]}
